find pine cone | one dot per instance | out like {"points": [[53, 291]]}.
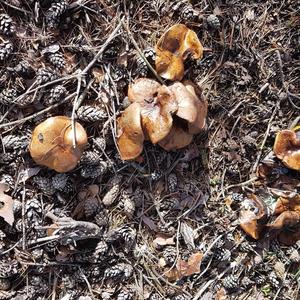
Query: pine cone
{"points": [[8, 269], [91, 207], [91, 114], [44, 184], [169, 254], [102, 218], [8, 179], [23, 68], [6, 49], [55, 12], [223, 254], [90, 158], [120, 272], [93, 171], [125, 295], [127, 204], [230, 282], [57, 60], [112, 194], [101, 250], [6, 25], [14, 142], [99, 144], [59, 181], [188, 13], [172, 183], [56, 94], [45, 75], [8, 96], [213, 21]]}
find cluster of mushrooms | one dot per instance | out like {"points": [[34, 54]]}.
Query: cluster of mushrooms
{"points": [[166, 115]]}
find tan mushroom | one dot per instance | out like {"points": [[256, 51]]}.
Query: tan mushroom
{"points": [[52, 144], [130, 132], [174, 46], [287, 148]]}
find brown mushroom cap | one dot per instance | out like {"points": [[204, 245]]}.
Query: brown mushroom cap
{"points": [[130, 133], [173, 48], [190, 107], [252, 216], [51, 144], [287, 148]]}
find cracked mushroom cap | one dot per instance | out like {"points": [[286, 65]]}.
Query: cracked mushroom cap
{"points": [[52, 144], [287, 148], [192, 107], [174, 46], [157, 104], [130, 133]]}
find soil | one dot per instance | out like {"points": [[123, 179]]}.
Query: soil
{"points": [[165, 226]]}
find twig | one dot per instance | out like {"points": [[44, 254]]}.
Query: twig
{"points": [[16, 122], [126, 27], [83, 73]]}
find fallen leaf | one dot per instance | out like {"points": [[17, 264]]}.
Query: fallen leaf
{"points": [[185, 268], [285, 219], [187, 233], [162, 240], [284, 204], [6, 205]]}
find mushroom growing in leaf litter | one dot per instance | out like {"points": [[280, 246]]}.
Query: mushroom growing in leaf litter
{"points": [[173, 48], [287, 148], [52, 144], [165, 115]]}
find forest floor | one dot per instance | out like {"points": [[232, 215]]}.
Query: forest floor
{"points": [[169, 228]]}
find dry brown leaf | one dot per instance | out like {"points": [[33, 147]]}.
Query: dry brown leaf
{"points": [[52, 144], [185, 268], [285, 219], [285, 204], [162, 240], [6, 205], [173, 48]]}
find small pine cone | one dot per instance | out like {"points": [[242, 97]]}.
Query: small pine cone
{"points": [[180, 297], [129, 236], [222, 254], [8, 96], [112, 194], [90, 158], [99, 144], [169, 255], [45, 75], [56, 94], [125, 295], [246, 282], [127, 204], [8, 179], [59, 181], [230, 282], [272, 278], [55, 12], [120, 73], [44, 184], [120, 272], [101, 250], [259, 279], [14, 142], [91, 114], [169, 204], [213, 21], [57, 60], [155, 296], [6, 25], [33, 212], [156, 175], [102, 218], [94, 171], [91, 207], [188, 13], [294, 255], [172, 183], [8, 268], [6, 49]]}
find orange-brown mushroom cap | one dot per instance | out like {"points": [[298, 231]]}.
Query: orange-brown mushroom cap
{"points": [[130, 133], [190, 107], [287, 148], [51, 144], [173, 48]]}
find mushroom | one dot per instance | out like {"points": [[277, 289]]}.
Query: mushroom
{"points": [[287, 148], [174, 46], [52, 144], [253, 216], [130, 133]]}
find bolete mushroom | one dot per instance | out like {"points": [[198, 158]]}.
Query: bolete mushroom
{"points": [[174, 46], [52, 144], [287, 148]]}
